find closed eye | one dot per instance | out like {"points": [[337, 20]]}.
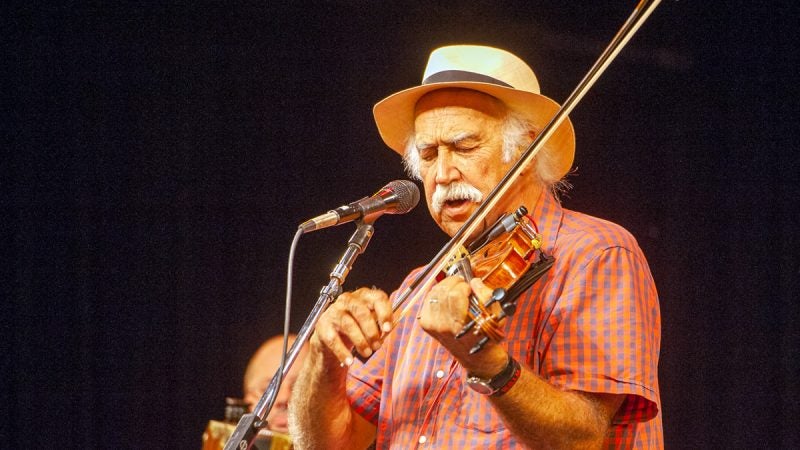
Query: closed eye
{"points": [[466, 148], [428, 153], [466, 142]]}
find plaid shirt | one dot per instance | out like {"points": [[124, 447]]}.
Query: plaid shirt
{"points": [[591, 324]]}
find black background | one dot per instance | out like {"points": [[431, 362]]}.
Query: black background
{"points": [[161, 157]]}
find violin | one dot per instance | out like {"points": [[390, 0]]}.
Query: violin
{"points": [[502, 257]]}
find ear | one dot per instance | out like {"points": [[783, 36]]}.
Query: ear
{"points": [[527, 169]]}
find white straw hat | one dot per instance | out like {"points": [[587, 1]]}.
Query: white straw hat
{"points": [[484, 69]]}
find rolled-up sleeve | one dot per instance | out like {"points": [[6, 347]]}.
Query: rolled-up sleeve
{"points": [[606, 332]]}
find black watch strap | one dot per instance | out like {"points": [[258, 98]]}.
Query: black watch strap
{"points": [[504, 380]]}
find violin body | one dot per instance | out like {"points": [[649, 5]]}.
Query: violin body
{"points": [[501, 262], [502, 258]]}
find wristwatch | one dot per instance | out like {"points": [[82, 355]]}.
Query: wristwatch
{"points": [[498, 384]]}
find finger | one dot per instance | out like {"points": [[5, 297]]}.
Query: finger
{"points": [[445, 304], [384, 314], [480, 289], [483, 294], [457, 306], [440, 295], [362, 310], [453, 292], [347, 326], [330, 337], [449, 282]]}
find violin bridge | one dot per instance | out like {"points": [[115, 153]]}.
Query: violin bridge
{"points": [[458, 263]]}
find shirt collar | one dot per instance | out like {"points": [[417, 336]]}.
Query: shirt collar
{"points": [[547, 215]]}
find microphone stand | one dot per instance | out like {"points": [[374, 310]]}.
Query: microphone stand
{"points": [[251, 423]]}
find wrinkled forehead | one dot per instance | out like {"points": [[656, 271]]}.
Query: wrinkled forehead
{"points": [[453, 115]]}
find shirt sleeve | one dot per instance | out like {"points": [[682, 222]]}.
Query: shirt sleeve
{"points": [[606, 332], [365, 384]]}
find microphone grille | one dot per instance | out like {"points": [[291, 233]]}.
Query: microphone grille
{"points": [[407, 194]]}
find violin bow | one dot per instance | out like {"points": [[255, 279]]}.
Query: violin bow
{"points": [[427, 277]]}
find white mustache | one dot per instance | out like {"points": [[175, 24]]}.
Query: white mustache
{"points": [[457, 190]]}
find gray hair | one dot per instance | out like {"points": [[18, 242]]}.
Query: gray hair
{"points": [[517, 136]]}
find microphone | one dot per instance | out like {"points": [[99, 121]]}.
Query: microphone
{"points": [[397, 197]]}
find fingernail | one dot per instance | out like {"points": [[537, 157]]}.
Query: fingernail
{"points": [[348, 361], [387, 327]]}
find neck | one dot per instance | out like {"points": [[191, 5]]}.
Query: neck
{"points": [[527, 194]]}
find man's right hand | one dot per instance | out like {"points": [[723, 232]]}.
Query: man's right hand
{"points": [[320, 412], [357, 319]]}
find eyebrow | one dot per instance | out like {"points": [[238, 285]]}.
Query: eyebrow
{"points": [[459, 137]]}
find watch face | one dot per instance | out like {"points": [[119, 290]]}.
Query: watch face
{"points": [[479, 386]]}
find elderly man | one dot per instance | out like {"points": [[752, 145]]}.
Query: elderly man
{"points": [[578, 366]]}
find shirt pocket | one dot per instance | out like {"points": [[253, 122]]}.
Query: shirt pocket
{"points": [[475, 412]]}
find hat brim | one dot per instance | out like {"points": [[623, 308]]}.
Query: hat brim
{"points": [[394, 117]]}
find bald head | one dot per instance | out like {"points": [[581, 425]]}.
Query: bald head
{"points": [[262, 366]]}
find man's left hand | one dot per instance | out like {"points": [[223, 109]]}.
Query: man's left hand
{"points": [[444, 314]]}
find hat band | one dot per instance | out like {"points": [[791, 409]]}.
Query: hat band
{"points": [[449, 76]]}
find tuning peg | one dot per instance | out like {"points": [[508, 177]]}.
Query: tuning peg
{"points": [[479, 346]]}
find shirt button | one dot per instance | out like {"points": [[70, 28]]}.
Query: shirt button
{"points": [[423, 439], [439, 373]]}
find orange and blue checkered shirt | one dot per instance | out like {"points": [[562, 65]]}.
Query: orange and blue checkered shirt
{"points": [[591, 324]]}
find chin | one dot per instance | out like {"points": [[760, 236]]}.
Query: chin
{"points": [[450, 228]]}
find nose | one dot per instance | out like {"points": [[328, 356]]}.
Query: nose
{"points": [[446, 170]]}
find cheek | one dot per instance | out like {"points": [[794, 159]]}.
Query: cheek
{"points": [[486, 176]]}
